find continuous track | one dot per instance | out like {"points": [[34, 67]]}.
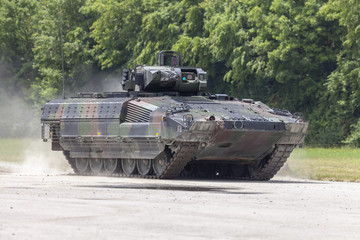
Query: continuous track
{"points": [[263, 171], [179, 160], [274, 164]]}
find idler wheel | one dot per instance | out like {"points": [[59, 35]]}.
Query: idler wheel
{"points": [[96, 165], [238, 170], [111, 165], [82, 165], [144, 167], [160, 163], [128, 166]]}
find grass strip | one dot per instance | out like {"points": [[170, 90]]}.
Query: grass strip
{"points": [[332, 164]]}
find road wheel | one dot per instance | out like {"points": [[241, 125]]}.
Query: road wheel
{"points": [[160, 163], [128, 166], [96, 165], [111, 166], [144, 167], [82, 165]]}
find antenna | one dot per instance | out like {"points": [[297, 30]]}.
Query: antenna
{"points": [[62, 52]]}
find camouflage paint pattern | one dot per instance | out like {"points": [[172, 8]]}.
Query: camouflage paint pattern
{"points": [[164, 106], [142, 127]]}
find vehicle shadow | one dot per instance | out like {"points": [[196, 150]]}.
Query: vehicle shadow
{"points": [[169, 187], [272, 181]]}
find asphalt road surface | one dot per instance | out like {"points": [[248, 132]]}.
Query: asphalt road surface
{"points": [[65, 206]]}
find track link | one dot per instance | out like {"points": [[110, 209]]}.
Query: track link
{"points": [[71, 161], [266, 169], [176, 164], [179, 160], [274, 164]]}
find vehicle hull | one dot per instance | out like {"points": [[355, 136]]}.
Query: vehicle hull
{"points": [[234, 132]]}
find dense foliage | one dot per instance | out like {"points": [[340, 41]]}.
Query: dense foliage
{"points": [[302, 55]]}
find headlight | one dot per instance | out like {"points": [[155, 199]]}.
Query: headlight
{"points": [[202, 77]]}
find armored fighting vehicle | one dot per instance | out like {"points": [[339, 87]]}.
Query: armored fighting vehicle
{"points": [[165, 126]]}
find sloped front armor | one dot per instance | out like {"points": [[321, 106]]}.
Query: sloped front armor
{"points": [[164, 127]]}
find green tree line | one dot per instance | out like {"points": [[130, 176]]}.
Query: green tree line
{"points": [[301, 55]]}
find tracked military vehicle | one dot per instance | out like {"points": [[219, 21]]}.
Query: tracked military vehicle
{"points": [[165, 126]]}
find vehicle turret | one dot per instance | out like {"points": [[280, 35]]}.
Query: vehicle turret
{"points": [[168, 75], [164, 127]]}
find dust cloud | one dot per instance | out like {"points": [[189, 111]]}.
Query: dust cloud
{"points": [[296, 165], [39, 160], [18, 118], [22, 150], [20, 126], [287, 171], [100, 82]]}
